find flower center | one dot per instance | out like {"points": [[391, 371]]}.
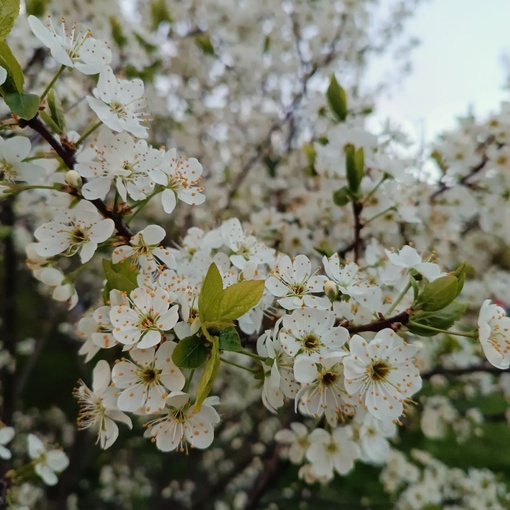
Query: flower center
{"points": [[150, 375], [329, 378], [311, 342], [379, 370]]}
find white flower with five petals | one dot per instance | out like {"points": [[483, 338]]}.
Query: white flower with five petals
{"points": [[47, 463], [146, 382], [141, 322]]}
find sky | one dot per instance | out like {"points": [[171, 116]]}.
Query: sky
{"points": [[459, 64]]}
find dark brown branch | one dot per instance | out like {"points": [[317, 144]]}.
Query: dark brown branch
{"points": [[393, 322], [9, 310], [357, 208], [268, 475], [67, 156]]}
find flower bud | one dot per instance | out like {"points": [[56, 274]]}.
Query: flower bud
{"points": [[73, 178], [331, 290]]}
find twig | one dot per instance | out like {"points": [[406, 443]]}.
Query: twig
{"points": [[67, 156]]}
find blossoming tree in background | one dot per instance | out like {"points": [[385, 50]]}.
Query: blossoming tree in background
{"points": [[257, 301]]}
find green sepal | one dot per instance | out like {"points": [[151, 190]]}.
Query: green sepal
{"points": [[23, 105], [443, 319], [9, 11], [230, 340], [208, 375], [190, 353], [337, 99]]}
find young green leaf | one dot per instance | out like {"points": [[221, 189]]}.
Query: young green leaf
{"points": [[237, 299], [56, 111], [337, 99], [23, 105], [191, 352], [355, 166], [230, 340], [15, 78], [9, 11], [438, 294], [443, 319], [208, 375], [119, 276], [210, 295]]}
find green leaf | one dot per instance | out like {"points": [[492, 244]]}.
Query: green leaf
{"points": [[9, 11], [191, 352], [121, 276], [208, 375], [438, 294], [237, 299], [50, 123], [15, 78], [35, 8], [342, 196], [443, 319], [210, 293], [355, 166], [230, 340], [23, 105], [337, 99]]}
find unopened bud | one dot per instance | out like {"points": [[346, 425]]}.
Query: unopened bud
{"points": [[331, 290], [73, 178]]}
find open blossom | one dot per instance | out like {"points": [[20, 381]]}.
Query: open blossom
{"points": [[78, 50], [332, 452], [144, 318], [293, 282], [181, 178], [47, 463], [76, 230], [119, 103], [494, 334], [405, 259], [297, 439], [311, 333], [98, 408], [119, 160], [322, 387], [12, 167], [244, 248], [380, 374], [147, 381], [182, 423], [145, 250]]}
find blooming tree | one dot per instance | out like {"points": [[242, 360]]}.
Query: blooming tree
{"points": [[246, 278]]}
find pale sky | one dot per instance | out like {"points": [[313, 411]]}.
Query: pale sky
{"points": [[458, 63]]}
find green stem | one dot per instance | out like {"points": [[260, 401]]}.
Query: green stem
{"points": [[52, 82], [238, 366], [437, 330], [253, 355], [35, 186], [188, 381], [400, 297], [374, 189], [378, 215], [88, 132]]}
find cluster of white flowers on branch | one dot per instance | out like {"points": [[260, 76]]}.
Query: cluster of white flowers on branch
{"points": [[303, 297]]}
